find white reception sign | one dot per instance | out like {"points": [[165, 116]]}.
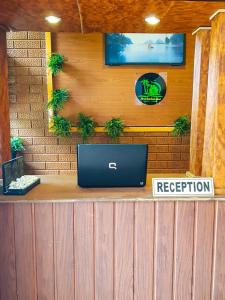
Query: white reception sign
{"points": [[187, 187]]}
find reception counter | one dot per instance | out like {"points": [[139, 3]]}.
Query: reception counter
{"points": [[64, 242], [65, 189]]}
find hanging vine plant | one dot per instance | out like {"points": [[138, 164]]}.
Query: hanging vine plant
{"points": [[59, 97], [61, 126], [55, 63], [86, 126]]}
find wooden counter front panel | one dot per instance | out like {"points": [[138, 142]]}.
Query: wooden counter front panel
{"points": [[105, 250]]}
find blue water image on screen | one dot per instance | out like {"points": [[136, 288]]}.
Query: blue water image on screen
{"points": [[144, 48]]}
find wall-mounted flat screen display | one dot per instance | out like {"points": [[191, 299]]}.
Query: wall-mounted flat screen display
{"points": [[144, 48]]}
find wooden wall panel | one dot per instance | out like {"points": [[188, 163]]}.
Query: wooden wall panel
{"points": [[183, 250], [164, 250], [25, 252], [64, 251], [203, 250], [84, 251], [8, 278], [104, 239], [5, 152], [200, 83], [219, 253], [44, 239], [144, 250], [214, 139], [103, 91], [124, 251]]}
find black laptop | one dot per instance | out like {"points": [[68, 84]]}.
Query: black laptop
{"points": [[112, 165]]}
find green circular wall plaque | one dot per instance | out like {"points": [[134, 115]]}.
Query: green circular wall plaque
{"points": [[150, 88]]}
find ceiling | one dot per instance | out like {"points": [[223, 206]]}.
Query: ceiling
{"points": [[107, 15]]}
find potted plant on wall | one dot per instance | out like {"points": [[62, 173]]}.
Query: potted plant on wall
{"points": [[114, 128], [58, 99], [55, 63], [61, 126], [182, 126], [86, 126], [16, 145]]}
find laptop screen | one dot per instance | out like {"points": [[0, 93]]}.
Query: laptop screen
{"points": [[112, 165]]}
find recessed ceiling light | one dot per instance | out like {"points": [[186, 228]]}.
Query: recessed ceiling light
{"points": [[152, 20], [53, 19]]}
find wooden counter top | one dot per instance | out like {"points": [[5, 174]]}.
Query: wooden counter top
{"points": [[60, 188]]}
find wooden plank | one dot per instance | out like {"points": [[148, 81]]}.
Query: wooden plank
{"points": [[24, 245], [164, 240], [44, 251], [219, 276], [203, 250], [104, 250], [84, 251], [214, 140], [124, 244], [143, 251], [200, 83], [5, 152], [64, 252], [7, 253], [183, 250]]}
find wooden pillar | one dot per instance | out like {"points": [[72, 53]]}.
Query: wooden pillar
{"points": [[4, 101], [200, 82], [214, 139]]}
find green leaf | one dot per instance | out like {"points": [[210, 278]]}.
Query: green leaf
{"points": [[55, 63], [59, 97], [16, 144], [86, 126], [61, 126], [114, 128], [182, 126]]}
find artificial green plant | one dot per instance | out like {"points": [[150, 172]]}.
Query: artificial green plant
{"points": [[58, 99], [114, 128], [16, 145], [86, 126], [182, 126], [55, 63], [61, 126]]}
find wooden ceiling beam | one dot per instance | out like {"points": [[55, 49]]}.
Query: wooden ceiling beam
{"points": [[81, 17]]}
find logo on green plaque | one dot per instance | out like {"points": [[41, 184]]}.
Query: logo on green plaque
{"points": [[150, 88]]}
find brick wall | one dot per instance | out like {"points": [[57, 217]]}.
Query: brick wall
{"points": [[47, 154]]}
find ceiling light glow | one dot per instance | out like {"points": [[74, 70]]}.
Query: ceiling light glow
{"points": [[52, 19], [152, 20]]}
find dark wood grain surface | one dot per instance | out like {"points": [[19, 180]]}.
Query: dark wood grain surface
{"points": [[151, 250], [107, 16], [5, 153]]}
